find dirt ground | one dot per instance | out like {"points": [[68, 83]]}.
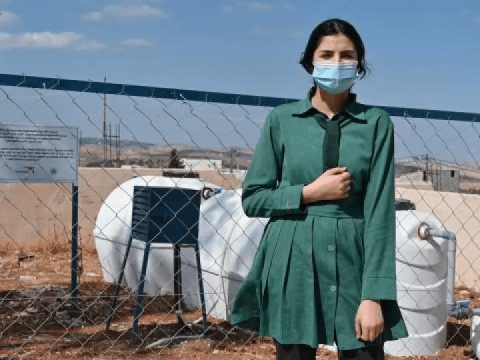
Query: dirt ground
{"points": [[39, 321]]}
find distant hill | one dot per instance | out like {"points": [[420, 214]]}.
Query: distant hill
{"points": [[123, 143], [183, 149]]}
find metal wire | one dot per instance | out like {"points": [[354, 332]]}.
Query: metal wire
{"points": [[160, 126]]}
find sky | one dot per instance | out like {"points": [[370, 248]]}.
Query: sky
{"points": [[422, 54]]}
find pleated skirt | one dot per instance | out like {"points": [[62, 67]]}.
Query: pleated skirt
{"points": [[305, 283]]}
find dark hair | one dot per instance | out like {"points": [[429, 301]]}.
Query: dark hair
{"points": [[334, 27]]}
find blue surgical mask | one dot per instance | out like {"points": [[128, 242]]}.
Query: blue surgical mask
{"points": [[335, 77]]}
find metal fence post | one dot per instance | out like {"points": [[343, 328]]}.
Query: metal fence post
{"points": [[74, 287]]}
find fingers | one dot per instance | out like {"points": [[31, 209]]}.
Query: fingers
{"points": [[346, 182], [369, 322], [346, 176], [367, 333], [336, 170], [339, 181]]}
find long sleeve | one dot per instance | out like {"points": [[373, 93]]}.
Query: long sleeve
{"points": [[264, 194], [379, 282]]}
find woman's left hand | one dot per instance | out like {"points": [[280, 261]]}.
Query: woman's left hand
{"points": [[369, 320]]}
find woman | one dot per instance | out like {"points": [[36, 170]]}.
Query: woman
{"points": [[323, 172]]}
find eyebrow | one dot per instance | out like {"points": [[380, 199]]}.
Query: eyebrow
{"points": [[343, 52]]}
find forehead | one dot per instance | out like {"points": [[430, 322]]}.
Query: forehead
{"points": [[338, 42]]}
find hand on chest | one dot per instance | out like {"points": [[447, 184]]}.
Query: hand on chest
{"points": [[307, 150]]}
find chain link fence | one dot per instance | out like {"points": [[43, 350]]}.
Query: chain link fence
{"points": [[137, 137]]}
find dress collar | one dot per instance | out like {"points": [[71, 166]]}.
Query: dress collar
{"points": [[353, 108]]}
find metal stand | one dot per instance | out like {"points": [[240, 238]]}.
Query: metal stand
{"points": [[152, 223], [138, 308], [111, 313]]}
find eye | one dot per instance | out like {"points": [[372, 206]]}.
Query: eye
{"points": [[348, 55], [324, 56]]}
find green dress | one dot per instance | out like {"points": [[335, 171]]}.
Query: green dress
{"points": [[315, 264]]}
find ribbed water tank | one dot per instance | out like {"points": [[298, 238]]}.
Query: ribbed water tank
{"points": [[475, 331], [421, 285]]}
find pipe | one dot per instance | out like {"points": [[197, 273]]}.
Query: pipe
{"points": [[425, 232], [451, 256]]}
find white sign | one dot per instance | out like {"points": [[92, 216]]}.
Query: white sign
{"points": [[38, 154]]}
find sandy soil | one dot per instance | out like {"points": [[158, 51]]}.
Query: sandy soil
{"points": [[39, 321]]}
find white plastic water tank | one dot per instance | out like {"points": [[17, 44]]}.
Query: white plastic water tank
{"points": [[421, 285], [227, 239], [113, 229], [475, 331]]}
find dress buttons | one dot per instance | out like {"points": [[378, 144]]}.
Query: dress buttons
{"points": [[331, 248], [333, 288]]}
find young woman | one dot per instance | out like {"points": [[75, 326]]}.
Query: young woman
{"points": [[323, 172]]}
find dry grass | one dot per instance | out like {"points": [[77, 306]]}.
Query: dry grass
{"points": [[87, 243], [57, 241], [7, 247]]}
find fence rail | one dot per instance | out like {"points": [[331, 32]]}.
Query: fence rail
{"points": [[213, 135], [202, 96]]}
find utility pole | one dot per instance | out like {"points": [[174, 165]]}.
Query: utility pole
{"points": [[104, 124], [110, 143], [426, 168], [117, 145]]}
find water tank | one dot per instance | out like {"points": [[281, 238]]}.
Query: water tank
{"points": [[421, 285], [112, 233], [475, 331], [228, 241]]}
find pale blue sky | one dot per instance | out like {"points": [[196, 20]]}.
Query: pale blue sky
{"points": [[422, 53]]}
